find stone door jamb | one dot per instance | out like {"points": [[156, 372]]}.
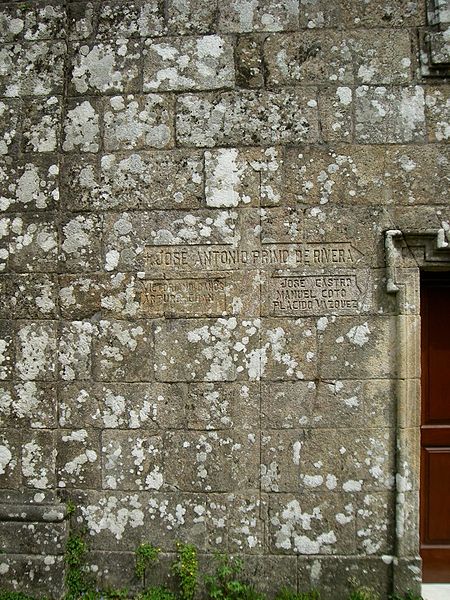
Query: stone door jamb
{"points": [[407, 252]]}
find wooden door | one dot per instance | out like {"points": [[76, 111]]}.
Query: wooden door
{"points": [[435, 429]]}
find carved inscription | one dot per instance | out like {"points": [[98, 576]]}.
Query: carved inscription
{"points": [[314, 294], [182, 296], [222, 257]]}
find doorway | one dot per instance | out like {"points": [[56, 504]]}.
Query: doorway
{"points": [[435, 427]]}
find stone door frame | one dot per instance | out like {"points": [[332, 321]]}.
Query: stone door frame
{"points": [[407, 253]]}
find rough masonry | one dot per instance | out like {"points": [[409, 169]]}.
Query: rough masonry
{"points": [[196, 338]]}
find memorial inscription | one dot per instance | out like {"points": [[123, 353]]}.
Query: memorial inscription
{"points": [[185, 296], [223, 257], [314, 294]]}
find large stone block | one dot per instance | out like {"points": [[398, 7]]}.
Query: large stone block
{"points": [[262, 15], [437, 113], [351, 14], [369, 174], [28, 404], [201, 63], [36, 343], [311, 524], [146, 180], [123, 351], [33, 243], [9, 134], [29, 184], [389, 115], [335, 576], [247, 118], [108, 67], [131, 19], [32, 69], [191, 16], [138, 122], [211, 461], [355, 347], [79, 459]]}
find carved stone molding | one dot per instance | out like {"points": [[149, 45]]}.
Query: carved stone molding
{"points": [[407, 253]]}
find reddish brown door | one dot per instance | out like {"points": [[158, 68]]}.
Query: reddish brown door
{"points": [[435, 430]]}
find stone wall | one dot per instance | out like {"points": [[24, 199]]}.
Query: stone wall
{"points": [[197, 342]]}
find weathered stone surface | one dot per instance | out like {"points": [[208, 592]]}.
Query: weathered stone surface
{"points": [[249, 62], [81, 127], [9, 113], [437, 113], [235, 177], [38, 459], [31, 404], [81, 242], [346, 339], [34, 69], [10, 444], [309, 524], [33, 243], [135, 180], [79, 459], [138, 123], [41, 125], [31, 538], [131, 19], [132, 460], [289, 461], [270, 15], [336, 574], [36, 350], [122, 351], [80, 20], [31, 574], [29, 184], [191, 16], [248, 118], [336, 108], [350, 14], [201, 63], [200, 338], [211, 461], [389, 115], [167, 230], [7, 346], [105, 67], [367, 175]]}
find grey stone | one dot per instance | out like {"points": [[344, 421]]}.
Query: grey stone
{"points": [[191, 16], [132, 19], [105, 67], [9, 113], [350, 14], [29, 184], [250, 62], [81, 127], [33, 243], [200, 63], [138, 123], [389, 115], [79, 459], [28, 404], [248, 118], [35, 350], [437, 113], [270, 15], [81, 242], [135, 180], [123, 351], [32, 69]]}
